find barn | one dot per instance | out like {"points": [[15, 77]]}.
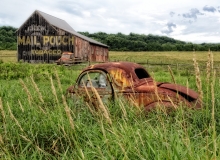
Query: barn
{"points": [[42, 38]]}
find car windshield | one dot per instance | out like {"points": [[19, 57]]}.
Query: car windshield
{"points": [[95, 79]]}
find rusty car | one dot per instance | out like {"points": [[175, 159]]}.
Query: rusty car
{"points": [[67, 59], [132, 81]]}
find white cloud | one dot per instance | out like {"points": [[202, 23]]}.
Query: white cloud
{"points": [[198, 37], [179, 30], [86, 14], [125, 16]]}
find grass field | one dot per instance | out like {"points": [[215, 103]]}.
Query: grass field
{"points": [[164, 57], [150, 57], [8, 56], [37, 122], [180, 60]]}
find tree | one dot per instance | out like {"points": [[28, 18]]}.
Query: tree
{"points": [[8, 39], [121, 42]]}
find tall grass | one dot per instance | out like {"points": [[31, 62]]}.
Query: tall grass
{"points": [[38, 122]]}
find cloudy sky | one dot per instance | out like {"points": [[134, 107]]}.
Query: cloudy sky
{"points": [[194, 21]]}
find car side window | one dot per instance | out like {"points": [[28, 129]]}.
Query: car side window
{"points": [[141, 73], [95, 79]]}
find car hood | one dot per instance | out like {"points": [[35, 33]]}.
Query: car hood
{"points": [[182, 90]]}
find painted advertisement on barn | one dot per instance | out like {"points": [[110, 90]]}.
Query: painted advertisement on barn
{"points": [[37, 41]]}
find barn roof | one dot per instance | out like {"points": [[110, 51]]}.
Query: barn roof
{"points": [[57, 22]]}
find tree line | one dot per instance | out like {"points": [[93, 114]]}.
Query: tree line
{"points": [[8, 38], [141, 42], [121, 42]]}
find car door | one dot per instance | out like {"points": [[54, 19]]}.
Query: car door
{"points": [[93, 84]]}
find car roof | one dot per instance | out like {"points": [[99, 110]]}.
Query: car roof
{"points": [[132, 70], [127, 66]]}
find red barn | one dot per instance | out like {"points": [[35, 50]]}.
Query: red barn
{"points": [[43, 38]]}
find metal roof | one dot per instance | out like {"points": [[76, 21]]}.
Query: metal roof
{"points": [[57, 22]]}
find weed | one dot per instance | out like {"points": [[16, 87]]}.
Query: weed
{"points": [[38, 122]]}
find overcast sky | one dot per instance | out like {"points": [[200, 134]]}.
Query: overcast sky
{"points": [[194, 21]]}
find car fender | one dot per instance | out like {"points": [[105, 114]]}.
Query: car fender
{"points": [[164, 105], [180, 89]]}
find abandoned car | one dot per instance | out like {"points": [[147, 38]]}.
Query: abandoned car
{"points": [[67, 59], [132, 81]]}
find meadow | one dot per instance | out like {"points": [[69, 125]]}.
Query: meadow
{"points": [[39, 122]]}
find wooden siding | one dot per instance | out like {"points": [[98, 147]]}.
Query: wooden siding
{"points": [[98, 54], [39, 41], [82, 49]]}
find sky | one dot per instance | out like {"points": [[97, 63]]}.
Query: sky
{"points": [[196, 21]]}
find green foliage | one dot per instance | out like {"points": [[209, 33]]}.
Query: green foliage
{"points": [[141, 42], [8, 38], [37, 123], [120, 42]]}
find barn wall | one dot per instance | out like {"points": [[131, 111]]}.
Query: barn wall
{"points": [[38, 41], [99, 54], [87, 51], [82, 48]]}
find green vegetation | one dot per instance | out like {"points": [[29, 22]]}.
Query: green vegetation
{"points": [[38, 122], [8, 39], [121, 42], [171, 57], [141, 42]]}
